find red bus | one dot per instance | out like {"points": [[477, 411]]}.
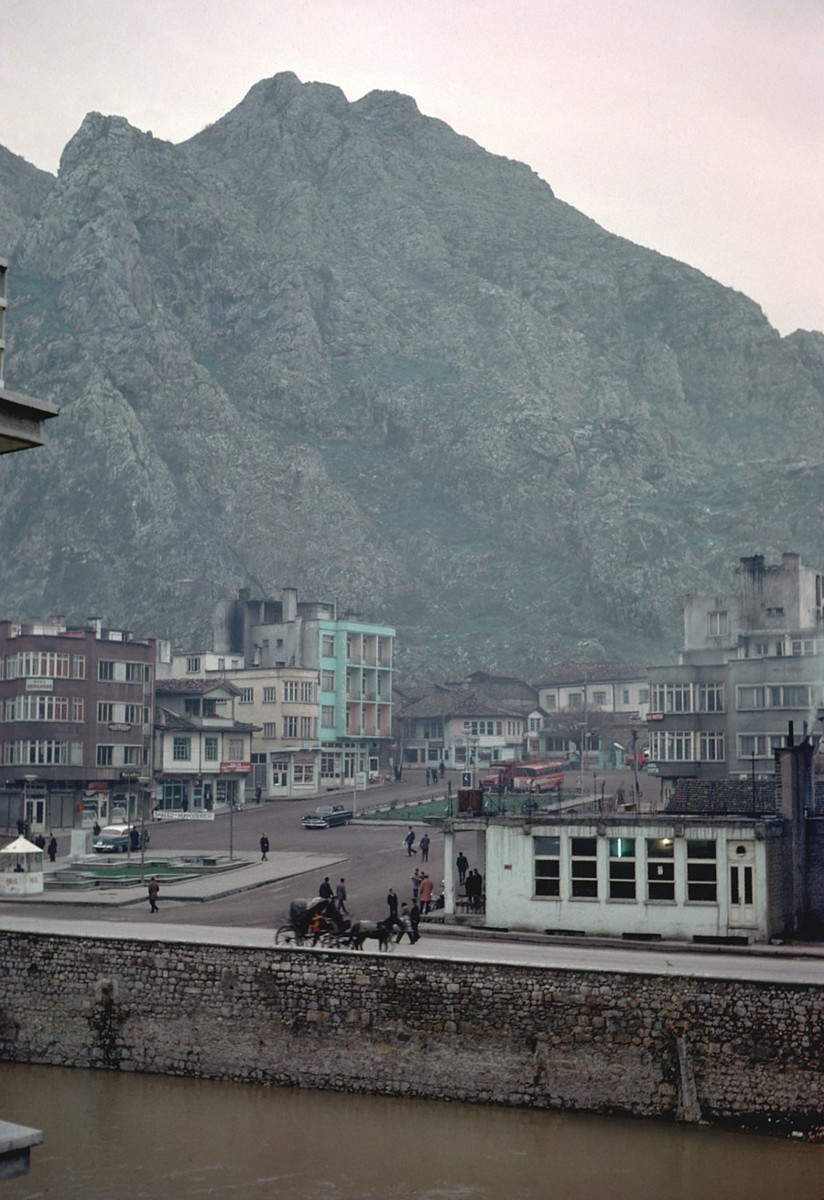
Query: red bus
{"points": [[538, 777]]}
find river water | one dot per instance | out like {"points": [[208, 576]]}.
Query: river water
{"points": [[149, 1137]]}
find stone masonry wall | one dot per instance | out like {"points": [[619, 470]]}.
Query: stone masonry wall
{"points": [[724, 1051]]}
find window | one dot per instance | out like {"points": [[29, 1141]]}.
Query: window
{"points": [[660, 869], [674, 745], [575, 700], [78, 666], [599, 699], [247, 695], [132, 756], [270, 729], [290, 727], [191, 706], [182, 749], [192, 666], [327, 681], [307, 727], [135, 714], [622, 868], [290, 692], [105, 669], [547, 866], [307, 692], [783, 696], [327, 716], [328, 766], [717, 624], [270, 695], [304, 773], [210, 749], [137, 672], [762, 649], [551, 700], [584, 867], [711, 746], [327, 645], [759, 745], [710, 697], [643, 695], [776, 610], [625, 695], [432, 730], [78, 708], [701, 870], [105, 756], [105, 713], [235, 749]]}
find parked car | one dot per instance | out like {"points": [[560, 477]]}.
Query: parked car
{"points": [[327, 815], [113, 839]]}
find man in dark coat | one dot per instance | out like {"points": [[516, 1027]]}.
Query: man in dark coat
{"points": [[462, 862], [392, 902], [264, 847]]}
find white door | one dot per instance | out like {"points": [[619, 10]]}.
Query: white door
{"points": [[741, 868]]}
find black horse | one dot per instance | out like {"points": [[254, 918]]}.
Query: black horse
{"points": [[381, 931]]}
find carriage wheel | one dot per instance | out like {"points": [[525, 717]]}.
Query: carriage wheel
{"points": [[286, 936]]}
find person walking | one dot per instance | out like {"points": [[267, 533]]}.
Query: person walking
{"points": [[325, 890], [414, 922], [404, 926], [410, 843], [415, 880], [427, 776], [264, 848], [392, 904], [424, 847], [340, 896], [153, 889], [462, 863], [425, 893], [52, 848]]}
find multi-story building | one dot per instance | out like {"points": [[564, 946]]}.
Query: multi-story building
{"points": [[752, 665], [353, 662], [282, 706], [202, 754], [76, 725], [593, 708], [460, 726]]}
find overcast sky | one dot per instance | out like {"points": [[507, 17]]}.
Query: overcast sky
{"points": [[690, 126]]}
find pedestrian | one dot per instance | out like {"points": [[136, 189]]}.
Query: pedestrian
{"points": [[425, 893], [264, 848], [415, 879], [414, 922], [449, 789], [462, 863], [153, 889], [258, 794], [21, 827], [427, 776], [404, 926], [325, 889], [424, 846], [134, 838], [40, 841], [96, 829], [392, 904], [340, 894], [409, 842], [52, 848], [442, 768]]}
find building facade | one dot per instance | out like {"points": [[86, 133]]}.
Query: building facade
{"points": [[460, 727], [352, 660], [283, 707], [752, 668], [592, 709], [202, 753], [76, 731]]}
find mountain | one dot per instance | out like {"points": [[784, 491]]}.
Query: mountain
{"points": [[337, 345]]}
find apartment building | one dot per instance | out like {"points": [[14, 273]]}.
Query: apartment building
{"points": [[751, 667], [76, 731]]}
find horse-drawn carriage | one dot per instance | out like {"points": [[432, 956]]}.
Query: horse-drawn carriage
{"points": [[319, 923]]}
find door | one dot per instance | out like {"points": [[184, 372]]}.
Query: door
{"points": [[741, 867]]}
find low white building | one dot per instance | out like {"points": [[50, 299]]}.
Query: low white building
{"points": [[657, 877]]}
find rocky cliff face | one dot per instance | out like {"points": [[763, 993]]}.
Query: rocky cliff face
{"points": [[339, 346]]}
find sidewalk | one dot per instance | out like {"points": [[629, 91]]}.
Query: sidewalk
{"points": [[252, 873]]}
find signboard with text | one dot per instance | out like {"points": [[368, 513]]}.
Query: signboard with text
{"points": [[235, 768]]}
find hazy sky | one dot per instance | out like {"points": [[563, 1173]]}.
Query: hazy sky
{"points": [[690, 126]]}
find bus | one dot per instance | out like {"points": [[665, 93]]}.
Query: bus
{"points": [[499, 775], [538, 777]]}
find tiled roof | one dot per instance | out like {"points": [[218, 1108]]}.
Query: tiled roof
{"points": [[193, 686], [448, 702], [723, 797]]}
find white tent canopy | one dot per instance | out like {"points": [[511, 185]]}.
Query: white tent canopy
{"points": [[20, 845]]}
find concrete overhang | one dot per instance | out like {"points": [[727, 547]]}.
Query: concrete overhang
{"points": [[21, 421], [15, 1148]]}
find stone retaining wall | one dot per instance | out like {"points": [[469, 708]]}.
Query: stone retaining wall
{"points": [[722, 1051]]}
